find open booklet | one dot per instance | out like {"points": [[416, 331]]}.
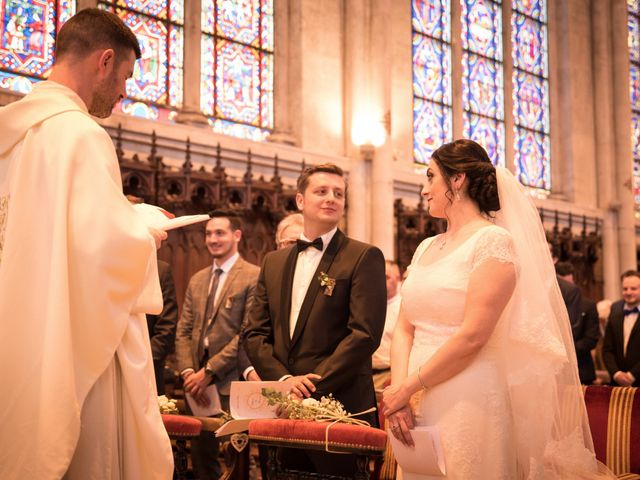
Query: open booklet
{"points": [[425, 457], [157, 217], [247, 403]]}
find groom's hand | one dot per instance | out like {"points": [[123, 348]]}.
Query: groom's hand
{"points": [[302, 386]]}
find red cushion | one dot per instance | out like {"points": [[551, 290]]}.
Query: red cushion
{"points": [[181, 425], [614, 419], [343, 434]]}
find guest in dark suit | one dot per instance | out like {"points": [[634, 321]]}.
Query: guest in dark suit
{"points": [[215, 304], [621, 346], [319, 309], [162, 328], [584, 326]]}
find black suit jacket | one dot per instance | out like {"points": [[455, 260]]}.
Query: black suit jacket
{"points": [[586, 333], [335, 335], [612, 346]]}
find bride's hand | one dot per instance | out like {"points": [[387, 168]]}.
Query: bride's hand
{"points": [[400, 423], [395, 397]]}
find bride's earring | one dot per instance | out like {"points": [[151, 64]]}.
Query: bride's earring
{"points": [[458, 195]]}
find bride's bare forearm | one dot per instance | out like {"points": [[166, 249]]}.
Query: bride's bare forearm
{"points": [[400, 347]]}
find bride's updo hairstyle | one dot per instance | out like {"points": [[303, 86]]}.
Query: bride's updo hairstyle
{"points": [[468, 157]]}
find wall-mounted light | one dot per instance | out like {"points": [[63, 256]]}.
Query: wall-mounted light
{"points": [[367, 130]]}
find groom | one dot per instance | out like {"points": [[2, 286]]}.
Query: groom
{"points": [[319, 308]]}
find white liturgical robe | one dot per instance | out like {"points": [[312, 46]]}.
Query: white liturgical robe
{"points": [[77, 273]]}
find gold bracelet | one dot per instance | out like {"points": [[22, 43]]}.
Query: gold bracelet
{"points": [[424, 387]]}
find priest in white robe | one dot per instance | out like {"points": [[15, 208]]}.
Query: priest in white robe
{"points": [[77, 274]]}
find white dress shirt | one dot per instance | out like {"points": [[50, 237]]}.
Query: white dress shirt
{"points": [[381, 358], [306, 266]]}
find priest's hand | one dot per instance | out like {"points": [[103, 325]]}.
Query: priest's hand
{"points": [[400, 422], [158, 235], [195, 384], [302, 386]]}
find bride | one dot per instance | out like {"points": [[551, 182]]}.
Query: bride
{"points": [[483, 335]]}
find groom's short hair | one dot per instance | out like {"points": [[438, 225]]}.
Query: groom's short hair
{"points": [[303, 179]]}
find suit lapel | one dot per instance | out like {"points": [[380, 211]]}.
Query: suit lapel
{"points": [[285, 294], [314, 286]]}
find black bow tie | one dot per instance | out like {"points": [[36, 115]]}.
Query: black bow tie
{"points": [[630, 311], [303, 244]]}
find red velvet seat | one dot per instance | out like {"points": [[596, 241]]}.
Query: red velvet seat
{"points": [[361, 441], [181, 428], [614, 419]]}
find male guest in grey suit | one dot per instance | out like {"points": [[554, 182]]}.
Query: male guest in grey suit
{"points": [[621, 345], [207, 338], [319, 309], [162, 327]]}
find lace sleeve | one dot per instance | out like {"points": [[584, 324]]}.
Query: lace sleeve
{"points": [[495, 244]]}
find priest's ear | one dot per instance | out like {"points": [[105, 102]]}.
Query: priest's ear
{"points": [[106, 61]]}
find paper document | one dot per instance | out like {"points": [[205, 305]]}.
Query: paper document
{"points": [[426, 457], [157, 217], [214, 407], [246, 400]]}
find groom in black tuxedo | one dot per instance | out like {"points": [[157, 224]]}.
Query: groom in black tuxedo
{"points": [[319, 308]]}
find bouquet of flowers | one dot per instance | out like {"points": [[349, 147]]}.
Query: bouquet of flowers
{"points": [[327, 409], [167, 405]]}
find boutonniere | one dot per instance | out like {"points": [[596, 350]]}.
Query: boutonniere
{"points": [[328, 283]]}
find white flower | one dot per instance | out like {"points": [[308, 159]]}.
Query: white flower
{"points": [[310, 402]]}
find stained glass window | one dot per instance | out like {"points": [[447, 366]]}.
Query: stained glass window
{"points": [[236, 87], [155, 91], [531, 93], [27, 39], [482, 75], [634, 91], [431, 77]]}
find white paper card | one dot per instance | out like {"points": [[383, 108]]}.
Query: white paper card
{"points": [[154, 217], [214, 407], [425, 457], [246, 400]]}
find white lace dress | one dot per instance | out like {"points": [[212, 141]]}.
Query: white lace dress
{"points": [[472, 408]]}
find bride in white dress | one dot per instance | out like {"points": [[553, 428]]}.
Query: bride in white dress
{"points": [[483, 338]]}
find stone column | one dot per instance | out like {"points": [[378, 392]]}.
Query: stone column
{"points": [[622, 139], [190, 112], [286, 58], [382, 217], [605, 142], [356, 21]]}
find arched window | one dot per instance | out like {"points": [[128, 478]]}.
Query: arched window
{"points": [[531, 93], [634, 89], [155, 91], [482, 77], [27, 38], [431, 24], [236, 88]]}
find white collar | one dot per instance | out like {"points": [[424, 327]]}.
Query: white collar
{"points": [[228, 264], [326, 238]]}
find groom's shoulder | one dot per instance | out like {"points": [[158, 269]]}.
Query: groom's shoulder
{"points": [[357, 247]]}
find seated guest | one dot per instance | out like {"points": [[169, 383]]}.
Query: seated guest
{"points": [[621, 345], [162, 327], [207, 338], [585, 328], [380, 359]]}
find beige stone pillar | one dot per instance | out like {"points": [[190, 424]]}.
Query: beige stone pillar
{"points": [[622, 129], [382, 219], [190, 112], [287, 59], [356, 21], [605, 142]]}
